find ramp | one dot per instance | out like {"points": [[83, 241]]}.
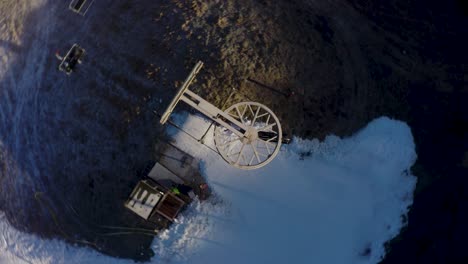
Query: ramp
{"points": [[163, 176]]}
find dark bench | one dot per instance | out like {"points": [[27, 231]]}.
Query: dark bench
{"points": [[72, 58], [78, 5]]}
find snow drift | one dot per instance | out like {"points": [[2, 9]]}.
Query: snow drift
{"points": [[336, 201]]}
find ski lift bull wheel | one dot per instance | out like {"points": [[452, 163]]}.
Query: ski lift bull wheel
{"points": [[261, 142]]}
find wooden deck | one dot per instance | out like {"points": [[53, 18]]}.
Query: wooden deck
{"points": [[185, 168]]}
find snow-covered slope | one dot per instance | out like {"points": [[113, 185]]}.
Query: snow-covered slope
{"points": [[335, 201], [21, 46]]}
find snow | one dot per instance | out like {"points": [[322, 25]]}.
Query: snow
{"points": [[19, 91], [336, 201], [18, 248]]}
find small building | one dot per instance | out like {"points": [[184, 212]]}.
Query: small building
{"points": [[148, 199], [169, 185]]}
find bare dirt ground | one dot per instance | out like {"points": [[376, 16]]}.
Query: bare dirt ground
{"points": [[329, 70], [324, 67]]}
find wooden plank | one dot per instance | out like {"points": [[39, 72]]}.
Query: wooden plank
{"points": [[180, 163], [164, 176], [165, 116]]}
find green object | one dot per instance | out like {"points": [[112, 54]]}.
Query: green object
{"points": [[175, 190]]}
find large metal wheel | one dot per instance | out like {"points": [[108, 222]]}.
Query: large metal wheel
{"points": [[261, 141]]}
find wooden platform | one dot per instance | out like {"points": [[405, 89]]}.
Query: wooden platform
{"points": [[185, 168]]}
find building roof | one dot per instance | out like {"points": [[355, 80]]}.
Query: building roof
{"points": [[148, 199], [144, 199]]}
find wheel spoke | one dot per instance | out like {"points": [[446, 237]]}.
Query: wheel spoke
{"points": [[268, 142], [243, 158], [232, 154], [251, 111], [255, 116], [273, 138], [268, 127], [243, 112], [240, 154], [262, 115], [233, 115], [251, 159], [240, 116], [255, 153], [266, 145], [228, 143]]}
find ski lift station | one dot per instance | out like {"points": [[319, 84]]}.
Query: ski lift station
{"points": [[171, 183], [248, 136]]}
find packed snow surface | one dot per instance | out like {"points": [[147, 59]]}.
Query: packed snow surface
{"points": [[336, 201]]}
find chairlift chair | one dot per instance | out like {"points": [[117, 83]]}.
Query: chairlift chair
{"points": [[73, 57], [80, 6]]}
